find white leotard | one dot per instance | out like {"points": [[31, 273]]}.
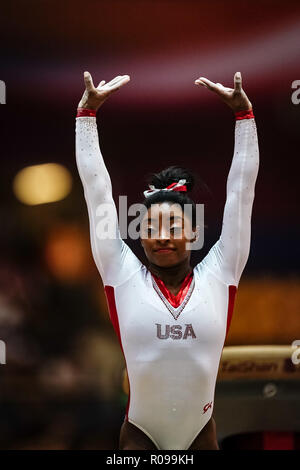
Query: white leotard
{"points": [[172, 355]]}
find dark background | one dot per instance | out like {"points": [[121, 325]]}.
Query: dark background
{"points": [[61, 348]]}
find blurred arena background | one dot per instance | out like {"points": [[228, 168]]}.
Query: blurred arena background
{"points": [[61, 386]]}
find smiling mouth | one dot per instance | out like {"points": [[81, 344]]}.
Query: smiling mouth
{"points": [[164, 250]]}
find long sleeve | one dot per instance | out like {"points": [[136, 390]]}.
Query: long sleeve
{"points": [[114, 259], [228, 257]]}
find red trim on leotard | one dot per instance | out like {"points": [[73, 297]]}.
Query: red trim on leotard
{"points": [[246, 114], [175, 300], [111, 301], [231, 298]]}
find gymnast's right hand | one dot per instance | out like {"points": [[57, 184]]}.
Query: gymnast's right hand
{"points": [[92, 97]]}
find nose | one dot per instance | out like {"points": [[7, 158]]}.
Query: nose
{"points": [[164, 234]]}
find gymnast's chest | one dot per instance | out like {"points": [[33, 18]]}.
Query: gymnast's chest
{"points": [[147, 318]]}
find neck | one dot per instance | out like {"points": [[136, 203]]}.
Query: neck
{"points": [[171, 275]]}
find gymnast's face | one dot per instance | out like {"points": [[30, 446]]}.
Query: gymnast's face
{"points": [[165, 230]]}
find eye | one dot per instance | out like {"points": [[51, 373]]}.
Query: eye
{"points": [[151, 231], [176, 229]]}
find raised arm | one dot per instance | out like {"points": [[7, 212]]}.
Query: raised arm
{"points": [[109, 251], [228, 257]]}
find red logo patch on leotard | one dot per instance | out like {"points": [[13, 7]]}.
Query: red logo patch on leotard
{"points": [[206, 407]]}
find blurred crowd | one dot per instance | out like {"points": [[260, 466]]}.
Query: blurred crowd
{"points": [[61, 385]]}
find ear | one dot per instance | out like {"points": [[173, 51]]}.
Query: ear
{"points": [[196, 231]]}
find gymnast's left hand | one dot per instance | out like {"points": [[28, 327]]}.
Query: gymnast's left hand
{"points": [[235, 98]]}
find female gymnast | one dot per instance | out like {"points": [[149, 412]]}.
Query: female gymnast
{"points": [[171, 320]]}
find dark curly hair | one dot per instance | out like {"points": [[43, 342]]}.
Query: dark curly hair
{"points": [[168, 176]]}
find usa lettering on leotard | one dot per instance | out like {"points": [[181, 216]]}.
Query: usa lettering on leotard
{"points": [[175, 331]]}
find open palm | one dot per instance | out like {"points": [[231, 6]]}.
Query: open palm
{"points": [[93, 97], [235, 97]]}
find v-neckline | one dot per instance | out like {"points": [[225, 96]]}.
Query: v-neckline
{"points": [[175, 303]]}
